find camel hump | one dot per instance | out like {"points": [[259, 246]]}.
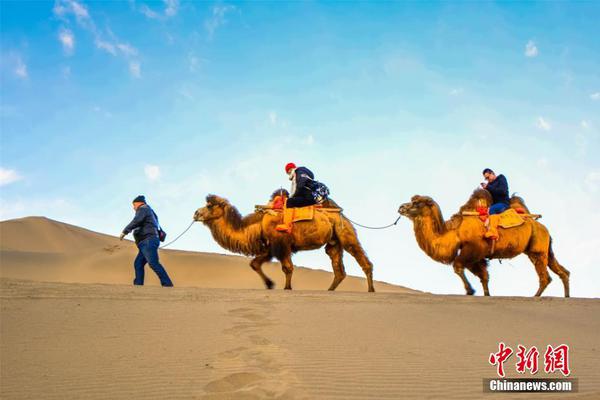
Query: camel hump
{"points": [[479, 198]]}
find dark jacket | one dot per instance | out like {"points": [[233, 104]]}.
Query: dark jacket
{"points": [[304, 179], [143, 225], [499, 190]]}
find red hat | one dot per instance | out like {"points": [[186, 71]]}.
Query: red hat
{"points": [[289, 166]]}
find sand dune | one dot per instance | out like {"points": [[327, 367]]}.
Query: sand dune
{"points": [[41, 249], [79, 335]]}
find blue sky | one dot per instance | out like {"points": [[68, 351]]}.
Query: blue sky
{"points": [[102, 101]]}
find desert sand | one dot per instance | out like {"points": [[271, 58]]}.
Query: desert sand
{"points": [[73, 327]]}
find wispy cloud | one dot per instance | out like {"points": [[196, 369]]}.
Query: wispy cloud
{"points": [[8, 176], [592, 180], [21, 68], [273, 118], [152, 172], [531, 49], [584, 124], [104, 40], [456, 91], [595, 96], [193, 62], [67, 39], [542, 124], [171, 7], [135, 69], [217, 18], [170, 10]]}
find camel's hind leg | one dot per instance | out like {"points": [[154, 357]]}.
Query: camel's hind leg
{"points": [[559, 270], [347, 236], [335, 252], [540, 261], [256, 265], [288, 269], [480, 269]]}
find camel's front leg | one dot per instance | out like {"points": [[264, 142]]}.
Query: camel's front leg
{"points": [[288, 269], [256, 265], [459, 269]]}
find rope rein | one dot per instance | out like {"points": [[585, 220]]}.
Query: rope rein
{"points": [[374, 227], [355, 223], [174, 240]]}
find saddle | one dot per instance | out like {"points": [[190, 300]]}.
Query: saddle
{"points": [[510, 219]]}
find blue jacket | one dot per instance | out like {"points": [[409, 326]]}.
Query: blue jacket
{"points": [[304, 179], [499, 190], [144, 224]]}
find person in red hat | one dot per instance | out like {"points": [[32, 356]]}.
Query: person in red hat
{"points": [[301, 193]]}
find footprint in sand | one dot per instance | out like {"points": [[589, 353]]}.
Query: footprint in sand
{"points": [[233, 382], [111, 249]]}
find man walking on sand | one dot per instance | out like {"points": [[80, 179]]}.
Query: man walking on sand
{"points": [[145, 232]]}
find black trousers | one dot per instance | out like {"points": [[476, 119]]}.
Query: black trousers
{"points": [[300, 201]]}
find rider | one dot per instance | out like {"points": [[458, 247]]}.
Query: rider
{"points": [[498, 188], [301, 178]]}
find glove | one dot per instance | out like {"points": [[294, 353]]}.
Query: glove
{"points": [[121, 236]]}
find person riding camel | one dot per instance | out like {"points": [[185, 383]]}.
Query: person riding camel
{"points": [[301, 194], [498, 188]]}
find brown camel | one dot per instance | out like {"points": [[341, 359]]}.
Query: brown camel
{"points": [[460, 241], [255, 235]]}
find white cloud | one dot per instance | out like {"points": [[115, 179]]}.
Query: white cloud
{"points": [[104, 39], [595, 96], [531, 49], [8, 176], [127, 49], [193, 62], [585, 124], [135, 69], [106, 46], [149, 13], [456, 91], [592, 180], [152, 172], [67, 39], [171, 7], [217, 19], [542, 124], [20, 68], [273, 118]]}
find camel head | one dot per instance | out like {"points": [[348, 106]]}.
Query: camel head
{"points": [[214, 209], [419, 206]]}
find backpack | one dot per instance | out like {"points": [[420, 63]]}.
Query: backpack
{"points": [[162, 235], [319, 192]]}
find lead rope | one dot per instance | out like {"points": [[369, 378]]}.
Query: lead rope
{"points": [[373, 227], [174, 240]]}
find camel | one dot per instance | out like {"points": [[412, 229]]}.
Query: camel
{"points": [[255, 235], [460, 241]]}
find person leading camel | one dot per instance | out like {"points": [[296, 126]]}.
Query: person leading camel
{"points": [[301, 178], [145, 232], [498, 188]]}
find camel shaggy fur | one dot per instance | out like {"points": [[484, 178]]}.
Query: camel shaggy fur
{"points": [[460, 241], [255, 235]]}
